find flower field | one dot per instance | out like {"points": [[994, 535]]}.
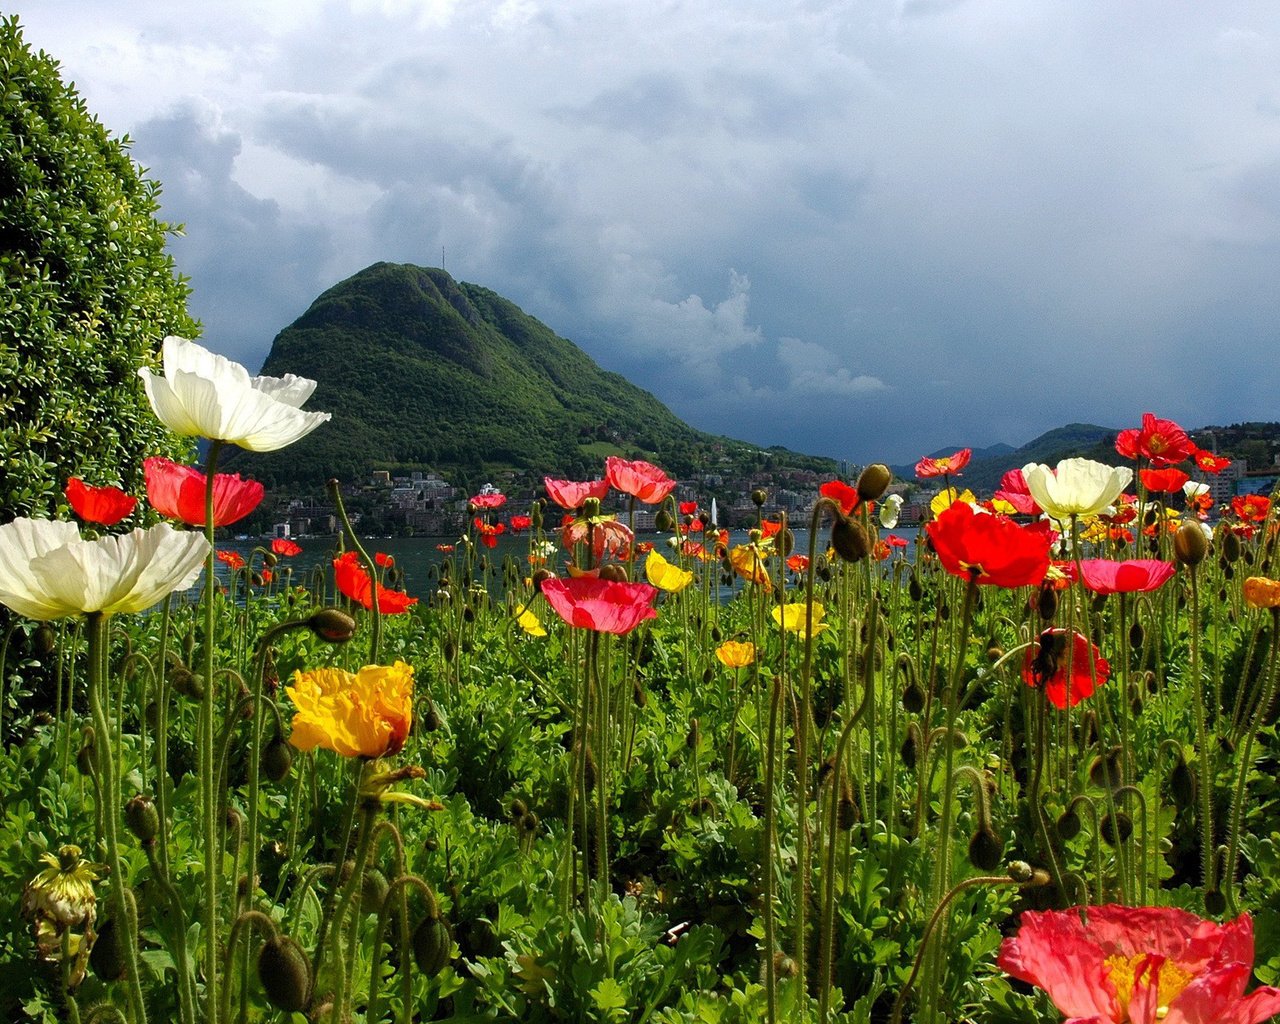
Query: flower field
{"points": [[1022, 770]]}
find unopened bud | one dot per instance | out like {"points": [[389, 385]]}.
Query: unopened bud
{"points": [[285, 972], [337, 627], [873, 481], [1189, 544], [432, 943], [108, 958], [986, 849], [142, 818], [759, 496], [849, 539], [277, 759]]}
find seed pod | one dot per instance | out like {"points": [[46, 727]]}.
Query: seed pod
{"points": [[285, 973], [1189, 544], [432, 943], [277, 759], [332, 625], [873, 481], [986, 849], [142, 818], [107, 959], [849, 539]]}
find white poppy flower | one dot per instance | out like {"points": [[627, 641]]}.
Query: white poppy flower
{"points": [[202, 394], [890, 509], [48, 571], [1194, 488], [1079, 487]]}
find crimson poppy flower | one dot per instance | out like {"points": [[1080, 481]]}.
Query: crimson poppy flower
{"points": [[489, 532], [520, 523], [1163, 481], [798, 563], [178, 492], [284, 547], [353, 581], [1142, 964], [894, 541], [1044, 667], [640, 479], [1137, 575], [947, 465], [231, 559], [383, 560], [770, 528], [488, 499], [1209, 462], [990, 549], [1250, 508], [841, 493], [105, 506], [571, 494], [688, 508], [1162, 441], [601, 605], [696, 526]]}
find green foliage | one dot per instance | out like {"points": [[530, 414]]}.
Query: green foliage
{"points": [[87, 291]]}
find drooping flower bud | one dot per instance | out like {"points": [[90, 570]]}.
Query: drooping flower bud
{"points": [[108, 960], [337, 627], [986, 849], [285, 972], [277, 759], [1189, 544], [432, 944], [1115, 828], [849, 539], [142, 818]]}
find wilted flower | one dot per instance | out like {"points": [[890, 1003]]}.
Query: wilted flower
{"points": [[749, 562], [47, 571], [366, 714], [105, 506], [60, 899], [1140, 964], [206, 395]]}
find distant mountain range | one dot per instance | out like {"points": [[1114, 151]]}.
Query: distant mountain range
{"points": [[422, 372]]}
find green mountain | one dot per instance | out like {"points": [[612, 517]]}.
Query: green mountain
{"points": [[424, 372]]}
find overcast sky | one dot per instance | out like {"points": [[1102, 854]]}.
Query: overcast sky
{"points": [[867, 228]]}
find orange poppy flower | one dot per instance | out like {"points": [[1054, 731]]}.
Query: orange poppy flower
{"points": [[285, 548], [1209, 462], [640, 479], [1163, 481], [1250, 508], [1260, 592], [353, 581], [231, 559], [571, 494]]}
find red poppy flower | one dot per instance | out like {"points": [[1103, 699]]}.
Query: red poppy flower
{"points": [[1138, 575], [1119, 533], [640, 479], [1209, 462], [1013, 489], [571, 494], [1044, 667], [353, 580], [692, 549], [841, 493], [1126, 511], [609, 538], [602, 605], [688, 508], [231, 559], [489, 532], [265, 576], [105, 506], [1250, 508], [894, 541], [948, 465], [520, 523], [798, 563], [695, 527], [492, 499], [1140, 964], [446, 548], [644, 547], [990, 549], [383, 560], [1164, 481], [770, 528], [178, 492], [1162, 441], [284, 547]]}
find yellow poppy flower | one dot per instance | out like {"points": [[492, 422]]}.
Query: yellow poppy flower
{"points": [[530, 623], [1260, 592], [665, 576], [367, 714], [736, 653], [748, 563], [947, 497], [791, 617]]}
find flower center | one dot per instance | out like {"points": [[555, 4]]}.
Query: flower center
{"points": [[1126, 971]]}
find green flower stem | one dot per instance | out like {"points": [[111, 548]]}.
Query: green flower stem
{"points": [[375, 630], [109, 773], [178, 925], [770, 852], [1204, 741], [207, 766], [397, 890], [1245, 762], [348, 823], [266, 926]]}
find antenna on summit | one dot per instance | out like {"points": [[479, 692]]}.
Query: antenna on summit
{"points": [[442, 257]]}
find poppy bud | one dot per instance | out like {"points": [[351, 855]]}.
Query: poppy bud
{"points": [[787, 541], [1047, 602], [450, 650], [1068, 824], [1230, 546], [540, 577], [518, 809], [638, 696], [285, 973], [1189, 544], [1116, 828], [1182, 784], [846, 810], [614, 573], [783, 965], [87, 757], [873, 481], [431, 719], [913, 698], [759, 496], [529, 823], [908, 750], [332, 625], [1214, 903], [373, 890], [1020, 871], [914, 590], [986, 849], [693, 736], [107, 959], [277, 759], [142, 818], [1104, 770], [849, 539], [1136, 634], [43, 640], [432, 943]]}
